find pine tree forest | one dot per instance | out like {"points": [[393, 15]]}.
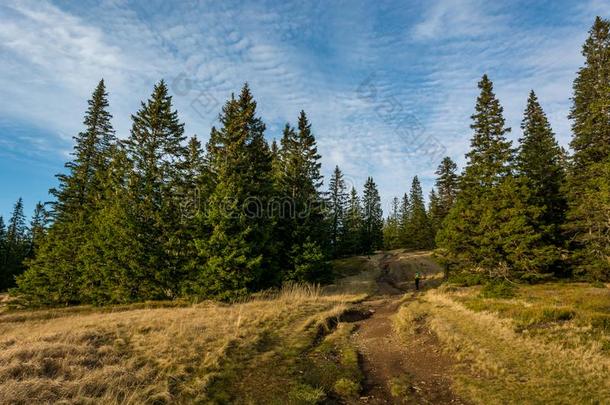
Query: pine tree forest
{"points": [[157, 215]]}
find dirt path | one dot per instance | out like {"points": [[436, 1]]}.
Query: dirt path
{"points": [[394, 370]]}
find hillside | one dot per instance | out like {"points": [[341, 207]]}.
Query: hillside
{"points": [[369, 338]]}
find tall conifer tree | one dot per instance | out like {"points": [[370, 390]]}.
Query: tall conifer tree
{"points": [[419, 225], [391, 228], [337, 205], [488, 228], [236, 253], [16, 247], [55, 275], [588, 184], [155, 147], [300, 182], [404, 219], [446, 187], [540, 167], [372, 225], [352, 243]]}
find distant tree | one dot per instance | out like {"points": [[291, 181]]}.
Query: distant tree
{"points": [[404, 218], [337, 206], [434, 211], [587, 223], [2, 244], [446, 186], [276, 163], [418, 225], [352, 242], [391, 228], [372, 229], [16, 247]]}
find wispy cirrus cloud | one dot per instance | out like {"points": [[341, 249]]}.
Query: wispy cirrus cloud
{"points": [[425, 58]]}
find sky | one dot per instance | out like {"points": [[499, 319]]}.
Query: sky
{"points": [[389, 86]]}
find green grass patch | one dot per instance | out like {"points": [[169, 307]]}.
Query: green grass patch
{"points": [[306, 394], [547, 309]]}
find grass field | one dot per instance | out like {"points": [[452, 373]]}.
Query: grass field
{"points": [[550, 343], [547, 343], [163, 355]]}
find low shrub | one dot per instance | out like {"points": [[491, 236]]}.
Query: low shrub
{"points": [[498, 289], [464, 279]]}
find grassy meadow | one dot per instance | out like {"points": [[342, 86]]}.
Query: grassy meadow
{"points": [[546, 343], [549, 343], [208, 352]]}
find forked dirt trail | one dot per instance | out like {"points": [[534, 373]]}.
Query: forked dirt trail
{"points": [[397, 371]]}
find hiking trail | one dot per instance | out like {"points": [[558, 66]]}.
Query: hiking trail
{"points": [[417, 370]]}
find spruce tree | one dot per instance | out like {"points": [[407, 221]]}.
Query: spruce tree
{"points": [[587, 218], [419, 225], [112, 257], [489, 161], [446, 188], [352, 242], [488, 229], [490, 156], [403, 222], [300, 181], [2, 244], [55, 275], [38, 227], [16, 247], [591, 99], [195, 188], [434, 211], [77, 191], [155, 147], [372, 224], [540, 167], [391, 228], [337, 205], [236, 253]]}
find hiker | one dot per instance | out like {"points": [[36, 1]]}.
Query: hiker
{"points": [[417, 277]]}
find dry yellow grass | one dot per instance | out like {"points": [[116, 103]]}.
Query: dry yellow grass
{"points": [[500, 362], [159, 355]]}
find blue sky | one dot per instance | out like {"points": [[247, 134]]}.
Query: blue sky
{"points": [[389, 85]]}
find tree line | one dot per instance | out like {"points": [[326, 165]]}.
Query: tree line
{"points": [[19, 240], [413, 226], [159, 216], [532, 212]]}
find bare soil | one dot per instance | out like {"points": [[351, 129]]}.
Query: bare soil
{"points": [[416, 372]]}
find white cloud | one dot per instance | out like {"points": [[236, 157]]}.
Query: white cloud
{"points": [[310, 56], [446, 19]]}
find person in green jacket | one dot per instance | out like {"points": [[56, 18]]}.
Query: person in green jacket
{"points": [[417, 278]]}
